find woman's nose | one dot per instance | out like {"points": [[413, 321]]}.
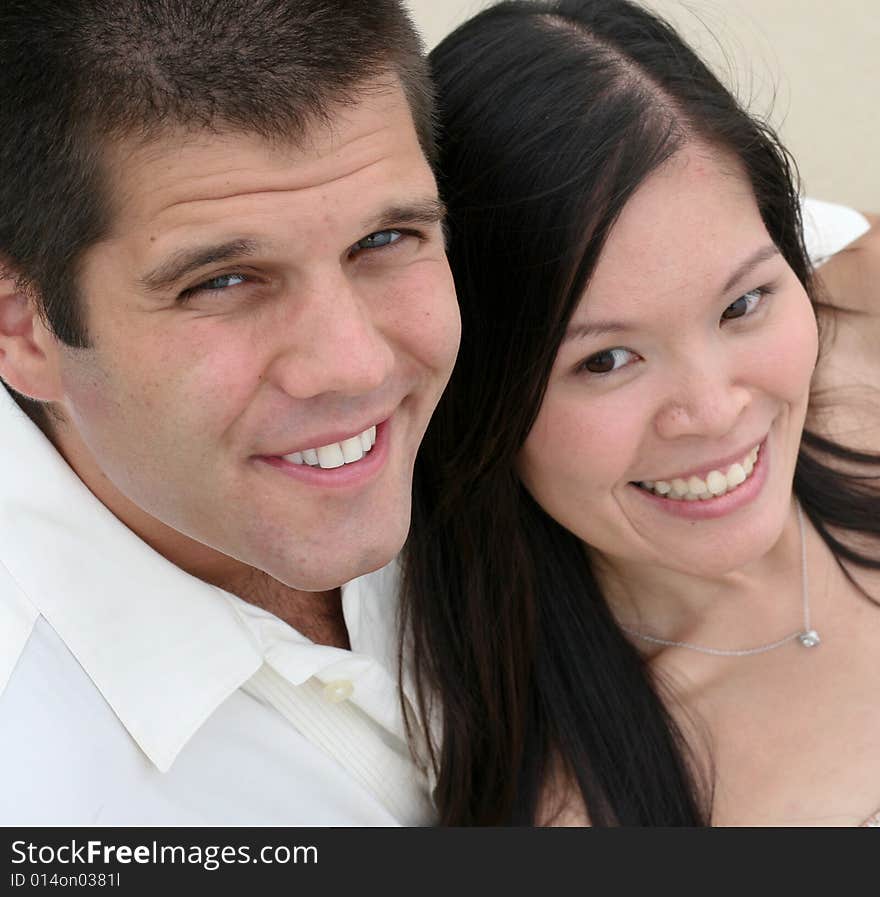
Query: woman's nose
{"points": [[703, 401]]}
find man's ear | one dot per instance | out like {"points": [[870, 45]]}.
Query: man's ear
{"points": [[29, 352]]}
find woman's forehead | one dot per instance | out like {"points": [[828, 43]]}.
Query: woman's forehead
{"points": [[693, 218]]}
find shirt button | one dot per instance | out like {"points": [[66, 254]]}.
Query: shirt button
{"points": [[338, 690]]}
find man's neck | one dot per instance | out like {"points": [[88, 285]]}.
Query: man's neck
{"points": [[317, 615]]}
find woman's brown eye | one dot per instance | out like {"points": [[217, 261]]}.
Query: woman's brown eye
{"points": [[607, 361], [743, 306], [600, 364]]}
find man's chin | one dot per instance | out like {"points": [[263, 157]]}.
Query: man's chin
{"points": [[335, 570]]}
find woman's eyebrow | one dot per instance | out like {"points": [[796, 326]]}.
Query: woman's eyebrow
{"points": [[604, 328], [755, 259], [597, 328]]}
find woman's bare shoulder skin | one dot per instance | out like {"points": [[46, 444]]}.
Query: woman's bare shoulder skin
{"points": [[847, 379]]}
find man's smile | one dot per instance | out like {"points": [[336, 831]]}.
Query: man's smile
{"points": [[350, 462], [335, 454]]}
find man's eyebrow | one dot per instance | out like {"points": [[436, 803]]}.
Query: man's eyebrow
{"points": [[755, 259], [426, 211], [183, 262]]}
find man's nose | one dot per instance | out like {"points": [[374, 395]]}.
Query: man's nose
{"points": [[334, 341], [702, 399]]}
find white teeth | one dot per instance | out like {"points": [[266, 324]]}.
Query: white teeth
{"points": [[330, 456], [696, 486], [336, 453], [352, 449], [679, 488], [716, 483], [736, 474]]}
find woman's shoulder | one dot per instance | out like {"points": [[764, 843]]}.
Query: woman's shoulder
{"points": [[846, 254], [846, 384]]}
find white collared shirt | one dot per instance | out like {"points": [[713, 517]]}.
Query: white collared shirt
{"points": [[134, 694]]}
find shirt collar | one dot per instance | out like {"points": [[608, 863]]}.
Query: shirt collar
{"points": [[164, 649]]}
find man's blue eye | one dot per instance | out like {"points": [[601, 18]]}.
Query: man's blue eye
{"points": [[222, 281], [379, 239], [214, 285]]}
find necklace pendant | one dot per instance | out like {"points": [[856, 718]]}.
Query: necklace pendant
{"points": [[810, 638]]}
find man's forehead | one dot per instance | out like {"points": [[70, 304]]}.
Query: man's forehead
{"points": [[192, 164], [189, 198]]}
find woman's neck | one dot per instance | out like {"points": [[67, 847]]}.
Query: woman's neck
{"points": [[742, 608]]}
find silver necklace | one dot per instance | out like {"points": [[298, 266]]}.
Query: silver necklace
{"points": [[807, 636]]}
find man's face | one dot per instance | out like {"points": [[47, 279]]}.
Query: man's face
{"points": [[257, 307]]}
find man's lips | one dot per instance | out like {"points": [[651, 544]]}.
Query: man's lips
{"points": [[328, 437], [332, 467]]}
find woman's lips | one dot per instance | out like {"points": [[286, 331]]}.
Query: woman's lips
{"points": [[714, 505]]}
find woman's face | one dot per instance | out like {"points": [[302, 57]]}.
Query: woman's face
{"points": [[692, 347]]}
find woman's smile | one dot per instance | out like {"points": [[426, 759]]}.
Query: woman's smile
{"points": [[718, 494]]}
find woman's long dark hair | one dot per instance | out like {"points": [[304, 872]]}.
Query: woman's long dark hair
{"points": [[552, 114]]}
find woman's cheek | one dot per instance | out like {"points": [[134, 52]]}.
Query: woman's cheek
{"points": [[579, 448], [788, 355]]}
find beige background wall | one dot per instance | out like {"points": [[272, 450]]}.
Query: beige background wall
{"points": [[812, 66]]}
